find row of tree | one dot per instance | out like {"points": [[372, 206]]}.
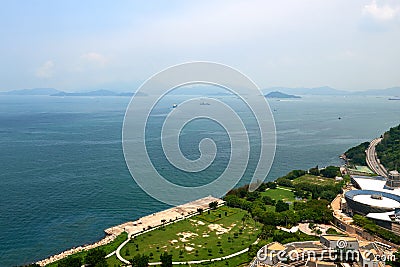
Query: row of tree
{"points": [[372, 228], [142, 260], [94, 258]]}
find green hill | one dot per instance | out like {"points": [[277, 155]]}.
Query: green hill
{"points": [[389, 149], [356, 155]]}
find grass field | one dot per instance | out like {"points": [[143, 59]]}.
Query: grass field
{"points": [[280, 193], [201, 237], [209, 235], [314, 180]]}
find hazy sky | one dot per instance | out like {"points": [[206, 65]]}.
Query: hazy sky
{"points": [[81, 45]]}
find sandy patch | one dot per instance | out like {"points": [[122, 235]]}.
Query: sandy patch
{"points": [[189, 248], [184, 236], [219, 229], [197, 223]]}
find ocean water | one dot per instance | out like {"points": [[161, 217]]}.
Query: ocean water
{"points": [[63, 178]]}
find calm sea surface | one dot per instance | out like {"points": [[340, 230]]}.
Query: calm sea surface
{"points": [[63, 178]]}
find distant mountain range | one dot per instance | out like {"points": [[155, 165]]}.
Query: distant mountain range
{"points": [[93, 93], [35, 91], [278, 94], [55, 92], [326, 90], [322, 91]]}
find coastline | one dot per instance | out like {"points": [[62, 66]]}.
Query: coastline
{"points": [[139, 226]]}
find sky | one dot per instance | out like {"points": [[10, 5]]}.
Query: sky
{"points": [[84, 45]]}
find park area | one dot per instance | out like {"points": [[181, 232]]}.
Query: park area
{"points": [[280, 193], [210, 235]]}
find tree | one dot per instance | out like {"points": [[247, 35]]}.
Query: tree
{"points": [[300, 193], [271, 185], [96, 258], [200, 210], [140, 261], [251, 196], [262, 187], [245, 218], [213, 205], [314, 171], [295, 174], [328, 195], [267, 200], [267, 231], [284, 182], [330, 172], [166, 260], [281, 206]]}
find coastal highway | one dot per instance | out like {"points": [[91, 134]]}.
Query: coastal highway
{"points": [[372, 158]]}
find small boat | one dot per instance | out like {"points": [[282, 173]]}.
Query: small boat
{"points": [[174, 105], [204, 104], [395, 98]]}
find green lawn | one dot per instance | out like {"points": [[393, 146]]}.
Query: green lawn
{"points": [[280, 193], [113, 261], [201, 237], [314, 180]]}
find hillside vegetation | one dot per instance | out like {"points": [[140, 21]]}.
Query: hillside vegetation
{"points": [[389, 149], [356, 155]]}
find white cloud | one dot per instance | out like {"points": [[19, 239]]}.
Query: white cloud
{"points": [[46, 70], [95, 58], [384, 12]]}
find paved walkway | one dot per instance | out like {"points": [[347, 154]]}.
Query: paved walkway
{"points": [[118, 251]]}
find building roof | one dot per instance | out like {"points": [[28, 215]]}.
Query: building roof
{"points": [[275, 246], [337, 238], [384, 202], [370, 183], [383, 216]]}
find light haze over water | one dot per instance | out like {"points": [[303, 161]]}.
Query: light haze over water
{"points": [[64, 180]]}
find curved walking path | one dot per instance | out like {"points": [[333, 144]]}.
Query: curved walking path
{"points": [[118, 251]]}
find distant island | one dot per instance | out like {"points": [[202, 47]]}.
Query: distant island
{"points": [[55, 92], [34, 91], [93, 93], [278, 94], [329, 91]]}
